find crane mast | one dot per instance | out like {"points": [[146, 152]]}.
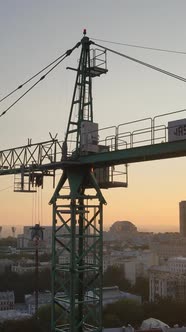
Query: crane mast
{"points": [[81, 107], [77, 232], [78, 217]]}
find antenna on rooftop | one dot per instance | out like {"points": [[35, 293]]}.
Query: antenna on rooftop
{"points": [[1, 227], [13, 231]]}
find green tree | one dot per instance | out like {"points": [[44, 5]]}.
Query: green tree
{"points": [[45, 280], [24, 283], [141, 288], [8, 241], [28, 325], [126, 311], [114, 275], [167, 310], [111, 320], [44, 317]]}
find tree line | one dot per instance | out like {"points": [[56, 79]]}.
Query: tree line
{"points": [[114, 315], [114, 276], [122, 312], [23, 284]]}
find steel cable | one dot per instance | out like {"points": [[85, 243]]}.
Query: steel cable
{"points": [[144, 63], [67, 53]]}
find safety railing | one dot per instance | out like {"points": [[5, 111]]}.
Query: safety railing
{"points": [[146, 131]]}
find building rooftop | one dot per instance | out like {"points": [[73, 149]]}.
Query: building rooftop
{"points": [[9, 295], [12, 314], [179, 258]]}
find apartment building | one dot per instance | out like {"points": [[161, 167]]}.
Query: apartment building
{"points": [[7, 300], [168, 280]]}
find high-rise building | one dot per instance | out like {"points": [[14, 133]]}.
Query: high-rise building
{"points": [[182, 206]]}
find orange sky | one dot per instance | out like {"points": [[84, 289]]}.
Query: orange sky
{"points": [[150, 202], [127, 93]]}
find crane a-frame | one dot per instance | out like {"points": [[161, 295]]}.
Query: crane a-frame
{"points": [[77, 200]]}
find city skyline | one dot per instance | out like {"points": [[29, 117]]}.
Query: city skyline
{"points": [[155, 189]]}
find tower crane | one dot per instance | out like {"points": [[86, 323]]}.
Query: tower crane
{"points": [[87, 165]]}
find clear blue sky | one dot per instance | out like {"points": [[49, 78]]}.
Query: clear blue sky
{"points": [[35, 32]]}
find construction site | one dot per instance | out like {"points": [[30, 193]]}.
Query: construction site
{"points": [[91, 159]]}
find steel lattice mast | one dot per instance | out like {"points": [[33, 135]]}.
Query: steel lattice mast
{"points": [[81, 107], [78, 221], [77, 237], [78, 212]]}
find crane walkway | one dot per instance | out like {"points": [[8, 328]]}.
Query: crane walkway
{"points": [[131, 142], [138, 154]]}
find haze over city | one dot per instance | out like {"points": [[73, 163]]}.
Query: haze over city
{"points": [[33, 34]]}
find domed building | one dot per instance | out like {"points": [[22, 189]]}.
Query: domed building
{"points": [[123, 227]]}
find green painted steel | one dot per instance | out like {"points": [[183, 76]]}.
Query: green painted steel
{"points": [[78, 214], [81, 106], [77, 224], [134, 155], [77, 235], [77, 255], [118, 157]]}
